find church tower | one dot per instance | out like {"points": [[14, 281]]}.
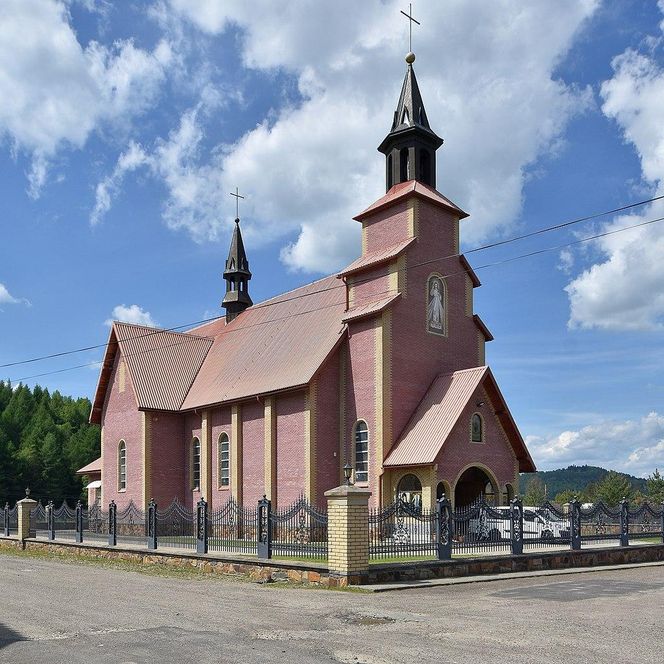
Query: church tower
{"points": [[410, 147], [237, 276]]}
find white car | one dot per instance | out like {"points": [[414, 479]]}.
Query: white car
{"points": [[538, 523]]}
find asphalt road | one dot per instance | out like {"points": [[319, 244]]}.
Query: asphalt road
{"points": [[55, 612]]}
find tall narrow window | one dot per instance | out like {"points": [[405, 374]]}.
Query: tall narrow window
{"points": [[425, 167], [224, 461], [404, 166], [361, 452], [122, 466], [477, 428], [196, 464]]}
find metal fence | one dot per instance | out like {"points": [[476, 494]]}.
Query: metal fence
{"points": [[175, 526], [481, 528], [231, 528], [298, 531], [402, 530], [646, 523], [10, 520]]}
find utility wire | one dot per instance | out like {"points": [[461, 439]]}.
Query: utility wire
{"points": [[504, 261], [281, 300]]}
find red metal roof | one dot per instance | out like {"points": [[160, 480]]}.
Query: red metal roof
{"points": [[162, 364], [483, 328], [369, 309], [272, 346], [373, 258], [438, 413], [92, 467], [412, 188]]}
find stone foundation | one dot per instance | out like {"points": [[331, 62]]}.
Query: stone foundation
{"points": [[316, 574]]}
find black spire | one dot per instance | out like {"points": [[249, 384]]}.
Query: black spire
{"points": [[237, 276], [411, 145]]}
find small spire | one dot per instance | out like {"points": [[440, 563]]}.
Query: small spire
{"points": [[237, 276]]}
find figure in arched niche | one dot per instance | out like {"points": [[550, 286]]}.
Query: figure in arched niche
{"points": [[436, 305]]}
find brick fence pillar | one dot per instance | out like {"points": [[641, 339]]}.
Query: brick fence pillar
{"points": [[25, 506], [348, 533]]}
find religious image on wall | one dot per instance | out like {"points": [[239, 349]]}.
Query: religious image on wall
{"points": [[436, 305]]}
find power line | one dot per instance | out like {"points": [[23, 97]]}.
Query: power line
{"points": [[336, 304]]}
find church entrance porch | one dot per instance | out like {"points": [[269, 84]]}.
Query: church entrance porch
{"points": [[473, 485]]}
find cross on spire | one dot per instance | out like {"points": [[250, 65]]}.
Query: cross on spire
{"points": [[237, 202], [411, 20]]}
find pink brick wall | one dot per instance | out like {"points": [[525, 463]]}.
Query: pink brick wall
{"points": [[290, 447], [253, 452], [327, 429], [122, 421], [387, 227], [370, 286], [361, 392], [220, 422], [169, 478]]}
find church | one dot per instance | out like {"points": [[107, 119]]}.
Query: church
{"points": [[380, 367]]}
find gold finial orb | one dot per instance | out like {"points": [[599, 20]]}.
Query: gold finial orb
{"points": [[410, 58]]}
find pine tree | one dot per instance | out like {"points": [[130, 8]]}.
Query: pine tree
{"points": [[613, 488], [655, 484]]}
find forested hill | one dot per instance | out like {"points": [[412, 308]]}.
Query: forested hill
{"points": [[577, 478], [44, 439]]}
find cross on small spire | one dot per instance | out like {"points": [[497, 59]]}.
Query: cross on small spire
{"points": [[411, 20], [237, 202]]}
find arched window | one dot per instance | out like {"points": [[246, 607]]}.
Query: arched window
{"points": [[409, 490], [425, 167], [122, 466], [195, 464], [224, 461], [361, 452], [477, 428]]}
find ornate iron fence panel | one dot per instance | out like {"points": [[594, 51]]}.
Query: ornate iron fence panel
{"points": [[233, 528], [481, 528], [600, 524], [38, 521], [131, 525], [645, 523], [10, 519], [547, 526], [64, 522], [95, 524], [402, 530], [176, 526], [299, 531]]}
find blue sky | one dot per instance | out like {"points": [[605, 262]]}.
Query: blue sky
{"points": [[124, 126]]}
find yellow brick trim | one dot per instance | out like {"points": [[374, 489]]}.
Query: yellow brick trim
{"points": [[469, 295], [342, 413], [122, 376], [206, 456], [365, 239], [351, 291], [455, 248], [270, 456], [236, 452], [413, 207], [481, 350], [102, 498], [310, 442], [382, 436], [146, 457]]}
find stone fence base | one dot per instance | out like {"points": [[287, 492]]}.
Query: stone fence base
{"points": [[318, 574]]}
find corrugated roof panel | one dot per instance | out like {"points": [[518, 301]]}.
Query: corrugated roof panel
{"points": [[370, 308], [272, 346], [435, 417], [162, 364], [372, 258]]}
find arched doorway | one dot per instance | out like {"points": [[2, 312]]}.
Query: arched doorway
{"points": [[473, 485], [409, 490]]}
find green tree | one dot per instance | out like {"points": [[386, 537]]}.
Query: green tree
{"points": [[535, 492], [613, 488], [566, 496], [655, 487]]}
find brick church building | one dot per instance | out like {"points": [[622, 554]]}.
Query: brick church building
{"points": [[380, 366]]}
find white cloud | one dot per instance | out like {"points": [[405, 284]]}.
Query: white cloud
{"points": [[131, 314], [55, 92], [488, 87], [624, 289], [634, 446], [7, 298]]}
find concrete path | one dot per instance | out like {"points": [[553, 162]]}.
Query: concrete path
{"points": [[72, 613]]}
